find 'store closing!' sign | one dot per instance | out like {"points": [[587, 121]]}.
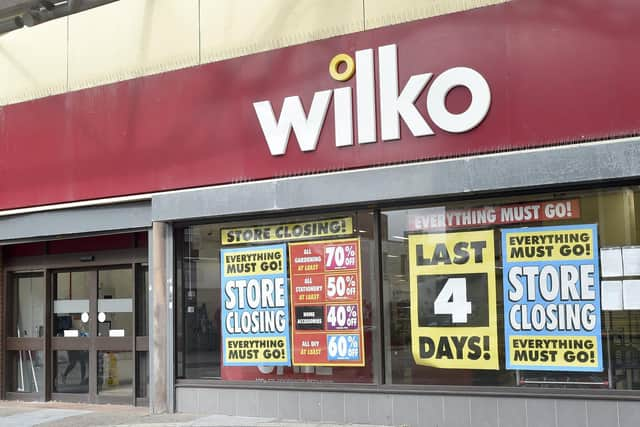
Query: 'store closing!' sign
{"points": [[453, 300], [552, 298]]}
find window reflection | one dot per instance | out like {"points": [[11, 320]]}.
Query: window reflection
{"points": [[71, 313], [70, 370], [27, 311], [26, 371], [614, 211], [115, 302], [199, 307], [115, 373]]}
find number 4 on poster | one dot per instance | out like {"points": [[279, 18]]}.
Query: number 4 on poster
{"points": [[452, 300]]}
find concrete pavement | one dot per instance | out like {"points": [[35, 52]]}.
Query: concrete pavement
{"points": [[58, 414]]}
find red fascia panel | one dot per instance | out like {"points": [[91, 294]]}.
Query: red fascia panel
{"points": [[82, 244], [559, 72], [91, 244], [24, 249], [141, 240]]}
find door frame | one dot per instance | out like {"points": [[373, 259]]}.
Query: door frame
{"points": [[12, 343], [50, 264], [93, 343]]}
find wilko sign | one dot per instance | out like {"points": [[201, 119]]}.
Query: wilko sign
{"points": [[394, 104]]}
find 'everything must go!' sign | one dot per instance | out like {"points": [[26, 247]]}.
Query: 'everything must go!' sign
{"points": [[255, 306], [552, 298]]}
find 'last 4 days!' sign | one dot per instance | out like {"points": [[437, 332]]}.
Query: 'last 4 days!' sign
{"points": [[255, 306], [453, 300], [552, 298]]}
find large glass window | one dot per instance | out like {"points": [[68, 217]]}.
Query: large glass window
{"points": [[71, 314], [142, 331], [286, 299], [25, 329], [27, 312], [26, 371], [71, 371], [513, 291], [115, 302], [115, 373], [530, 291]]}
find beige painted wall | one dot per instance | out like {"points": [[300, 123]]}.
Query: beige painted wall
{"points": [[132, 38]]}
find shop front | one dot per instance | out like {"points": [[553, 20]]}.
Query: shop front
{"points": [[85, 356], [76, 313], [470, 308], [429, 223]]}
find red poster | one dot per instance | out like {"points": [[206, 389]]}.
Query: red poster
{"points": [[326, 301], [442, 219]]}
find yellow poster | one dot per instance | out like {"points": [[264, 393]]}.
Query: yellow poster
{"points": [[332, 227], [453, 300]]}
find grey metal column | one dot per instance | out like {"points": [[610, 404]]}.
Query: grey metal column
{"points": [[169, 312], [3, 326], [158, 325]]}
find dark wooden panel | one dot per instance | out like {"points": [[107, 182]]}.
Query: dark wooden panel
{"points": [[142, 343], [14, 343], [114, 344], [80, 343], [70, 397], [114, 400], [28, 397]]}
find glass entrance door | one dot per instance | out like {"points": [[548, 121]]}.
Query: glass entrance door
{"points": [[92, 343], [73, 329], [25, 332], [114, 344]]}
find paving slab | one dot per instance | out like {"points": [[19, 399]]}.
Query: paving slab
{"points": [[38, 417], [60, 414]]}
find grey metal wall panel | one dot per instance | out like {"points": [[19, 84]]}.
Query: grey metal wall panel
{"points": [[512, 412], [381, 408], [628, 414], [312, 406], [356, 408], [430, 411], [603, 413], [62, 222], [226, 402], [483, 411], [333, 407], [187, 401], [248, 401], [578, 163], [457, 411], [405, 410], [268, 403], [572, 413], [541, 413], [288, 405], [208, 402], [412, 410]]}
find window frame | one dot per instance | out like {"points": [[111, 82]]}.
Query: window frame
{"points": [[383, 386]]}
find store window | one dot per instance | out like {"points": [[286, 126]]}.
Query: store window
{"points": [[285, 299], [26, 371], [26, 314], [115, 302], [527, 291], [26, 330]]}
